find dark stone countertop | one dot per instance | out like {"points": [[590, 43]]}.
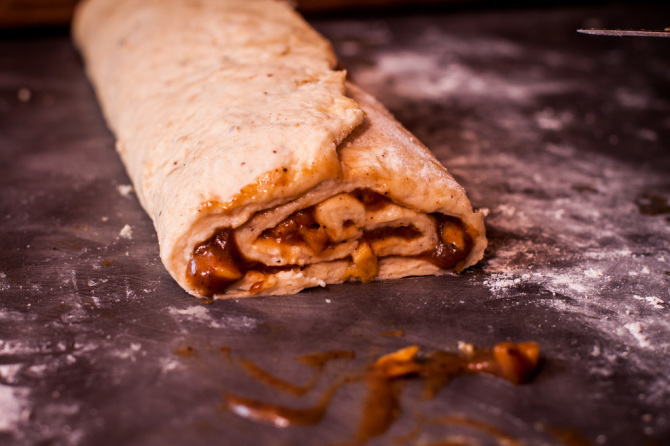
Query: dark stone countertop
{"points": [[564, 137]]}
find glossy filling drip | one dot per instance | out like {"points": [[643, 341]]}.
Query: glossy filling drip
{"points": [[217, 263]]}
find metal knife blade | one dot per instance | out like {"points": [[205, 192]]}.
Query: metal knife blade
{"points": [[625, 32]]}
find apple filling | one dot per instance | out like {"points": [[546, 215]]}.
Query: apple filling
{"points": [[361, 227]]}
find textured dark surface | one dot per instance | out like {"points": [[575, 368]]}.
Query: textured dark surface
{"points": [[558, 134]]}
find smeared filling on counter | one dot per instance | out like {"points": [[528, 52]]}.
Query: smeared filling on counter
{"points": [[514, 362], [218, 263]]}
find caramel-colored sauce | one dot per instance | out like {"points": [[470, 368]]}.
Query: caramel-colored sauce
{"points": [[449, 253], [393, 333], [567, 437], [381, 407], [278, 415], [651, 204], [217, 263], [316, 361], [384, 379], [268, 379], [585, 188], [185, 351], [513, 362], [225, 352], [298, 228], [319, 360], [282, 416]]}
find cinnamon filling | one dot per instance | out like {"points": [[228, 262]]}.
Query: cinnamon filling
{"points": [[217, 263], [454, 243], [300, 227]]}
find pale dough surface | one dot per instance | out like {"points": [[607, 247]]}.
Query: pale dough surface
{"points": [[231, 114]]}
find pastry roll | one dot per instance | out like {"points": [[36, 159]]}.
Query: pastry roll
{"points": [[264, 171]]}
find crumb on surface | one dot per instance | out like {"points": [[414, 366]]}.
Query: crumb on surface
{"points": [[126, 232]]}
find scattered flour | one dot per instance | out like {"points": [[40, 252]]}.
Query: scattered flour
{"points": [[197, 313], [647, 134], [631, 99], [548, 119], [424, 77], [635, 328], [502, 281], [651, 300], [126, 232], [24, 94], [194, 312], [37, 370], [8, 372], [4, 283], [593, 273], [168, 364], [124, 189], [13, 347], [13, 407]]}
